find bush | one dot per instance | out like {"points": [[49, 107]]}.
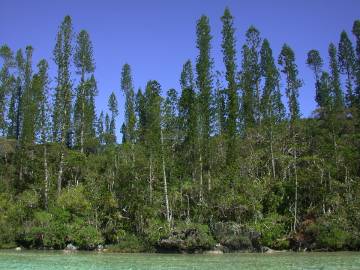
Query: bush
{"points": [[84, 236], [128, 244], [273, 232], [329, 233]]}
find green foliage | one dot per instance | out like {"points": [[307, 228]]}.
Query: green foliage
{"points": [[205, 163], [128, 244], [273, 231], [330, 233]]}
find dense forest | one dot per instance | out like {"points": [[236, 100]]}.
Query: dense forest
{"points": [[220, 163]]}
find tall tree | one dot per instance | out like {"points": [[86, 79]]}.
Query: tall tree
{"points": [[15, 109], [356, 32], [63, 92], [335, 88], [152, 129], [6, 83], [289, 68], [250, 78], [204, 64], [347, 64], [40, 87], [84, 63], [29, 102], [113, 108], [100, 129], [315, 63], [188, 120], [169, 139], [271, 107], [141, 116], [128, 89], [232, 106], [323, 96]]}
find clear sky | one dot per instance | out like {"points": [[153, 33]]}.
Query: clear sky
{"points": [[157, 36]]}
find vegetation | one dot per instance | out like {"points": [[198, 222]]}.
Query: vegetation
{"points": [[201, 165]]}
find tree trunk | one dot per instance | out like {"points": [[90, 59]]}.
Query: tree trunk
{"points": [[46, 182], [272, 153], [150, 180], [296, 192], [201, 178], [61, 168], [168, 218]]}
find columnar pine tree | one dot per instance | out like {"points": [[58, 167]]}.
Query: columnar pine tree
{"points": [[6, 83], [63, 93], [113, 108], [188, 120], [15, 110], [169, 136], [335, 87], [323, 97], [232, 106], [289, 68], [29, 102], [128, 89], [100, 129], [141, 116], [250, 79], [271, 107], [356, 32], [40, 87], [204, 64], [84, 63], [346, 58], [315, 63], [152, 134]]}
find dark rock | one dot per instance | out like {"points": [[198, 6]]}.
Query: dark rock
{"points": [[188, 239], [236, 237]]}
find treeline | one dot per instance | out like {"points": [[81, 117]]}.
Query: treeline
{"points": [[220, 160]]}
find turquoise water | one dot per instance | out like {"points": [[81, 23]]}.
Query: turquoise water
{"points": [[45, 260]]}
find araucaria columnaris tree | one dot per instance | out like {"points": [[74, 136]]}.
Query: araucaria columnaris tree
{"points": [[128, 89], [204, 64], [85, 92], [6, 83], [111, 126], [346, 58], [188, 120], [356, 32], [335, 85], [315, 63], [289, 68], [250, 79], [63, 92], [232, 106]]}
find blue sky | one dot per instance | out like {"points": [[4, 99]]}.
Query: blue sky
{"points": [[157, 36]]}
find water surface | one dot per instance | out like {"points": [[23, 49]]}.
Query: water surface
{"points": [[45, 260]]}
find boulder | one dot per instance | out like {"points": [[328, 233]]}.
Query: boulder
{"points": [[236, 237], [70, 247], [190, 239], [100, 248]]}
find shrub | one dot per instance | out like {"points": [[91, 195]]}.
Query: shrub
{"points": [[128, 244]]}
